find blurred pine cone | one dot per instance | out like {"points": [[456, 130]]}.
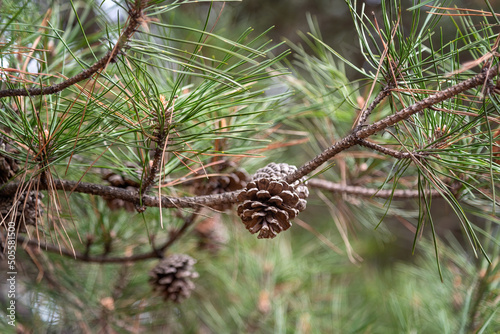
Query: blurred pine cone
{"points": [[172, 277], [231, 179], [268, 203], [120, 181], [212, 234], [8, 166], [24, 210]]}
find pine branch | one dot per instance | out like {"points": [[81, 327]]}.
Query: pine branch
{"points": [[85, 257], [368, 192], [161, 140], [135, 15], [354, 137], [378, 99], [129, 195], [168, 202], [63, 85], [155, 253], [153, 171], [388, 151]]}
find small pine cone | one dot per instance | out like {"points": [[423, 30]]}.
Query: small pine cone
{"points": [[172, 277], [123, 180], [268, 203], [235, 180], [23, 210], [117, 204], [212, 234], [280, 171], [8, 166], [120, 181]]}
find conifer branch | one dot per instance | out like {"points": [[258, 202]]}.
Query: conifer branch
{"points": [[389, 151], [135, 17], [354, 137], [368, 192], [129, 195], [161, 139], [378, 99], [155, 253]]}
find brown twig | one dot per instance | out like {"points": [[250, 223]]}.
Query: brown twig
{"points": [[389, 151], [161, 140], [153, 170], [155, 253], [130, 195], [368, 192], [135, 15], [85, 74], [378, 99], [354, 137]]}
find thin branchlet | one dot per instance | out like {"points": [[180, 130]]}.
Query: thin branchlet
{"points": [[368, 192], [161, 138], [378, 99], [155, 253], [56, 88], [152, 172], [390, 151]]}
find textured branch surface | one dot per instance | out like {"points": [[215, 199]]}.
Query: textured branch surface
{"points": [[134, 21], [368, 192], [378, 99], [353, 138], [131, 196], [63, 85], [389, 151]]}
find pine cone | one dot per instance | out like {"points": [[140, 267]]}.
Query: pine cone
{"points": [[233, 179], [121, 181], [212, 234], [8, 166], [172, 277], [24, 210], [268, 203]]}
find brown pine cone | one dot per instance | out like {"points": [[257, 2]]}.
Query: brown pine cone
{"points": [[212, 234], [268, 203], [8, 166], [120, 181], [172, 277], [233, 179], [24, 210]]}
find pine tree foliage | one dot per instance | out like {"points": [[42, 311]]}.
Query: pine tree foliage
{"points": [[127, 145]]}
